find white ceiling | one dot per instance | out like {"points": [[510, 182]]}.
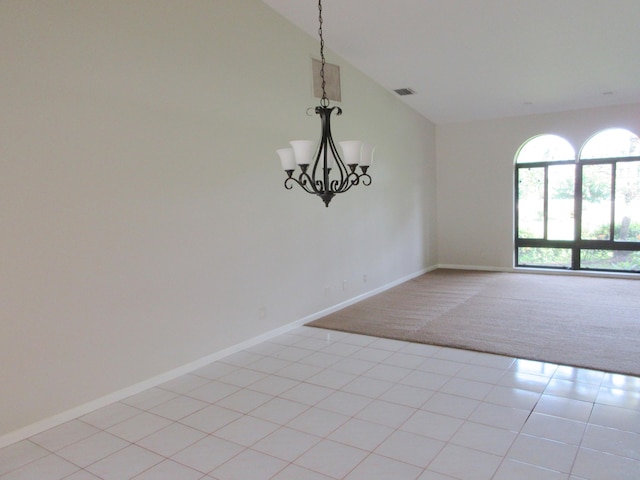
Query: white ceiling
{"points": [[481, 59]]}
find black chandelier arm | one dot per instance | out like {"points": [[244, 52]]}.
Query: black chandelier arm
{"points": [[365, 178], [304, 181]]}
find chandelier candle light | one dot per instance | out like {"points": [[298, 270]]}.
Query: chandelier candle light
{"points": [[329, 173]]}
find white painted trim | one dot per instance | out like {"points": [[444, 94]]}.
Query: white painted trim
{"points": [[46, 424]]}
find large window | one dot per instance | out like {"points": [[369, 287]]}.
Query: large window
{"points": [[579, 213]]}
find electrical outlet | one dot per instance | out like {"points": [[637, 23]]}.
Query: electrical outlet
{"points": [[262, 313], [327, 292], [344, 285], [364, 278]]}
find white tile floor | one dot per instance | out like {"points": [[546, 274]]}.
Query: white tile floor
{"points": [[317, 405]]}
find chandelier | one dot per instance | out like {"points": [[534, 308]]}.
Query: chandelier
{"points": [[323, 171]]}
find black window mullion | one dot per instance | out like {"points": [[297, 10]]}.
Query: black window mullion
{"points": [[612, 193], [577, 217], [546, 202]]}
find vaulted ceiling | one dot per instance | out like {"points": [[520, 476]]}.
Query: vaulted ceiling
{"points": [[479, 59]]}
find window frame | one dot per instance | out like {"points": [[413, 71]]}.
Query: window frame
{"points": [[578, 244]]}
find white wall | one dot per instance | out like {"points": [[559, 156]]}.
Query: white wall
{"points": [[144, 222], [475, 178]]}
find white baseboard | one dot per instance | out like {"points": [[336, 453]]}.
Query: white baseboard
{"points": [[66, 416]]}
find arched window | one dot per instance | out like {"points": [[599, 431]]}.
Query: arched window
{"points": [[581, 214]]}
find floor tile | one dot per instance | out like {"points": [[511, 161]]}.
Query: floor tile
{"points": [[616, 417], [125, 464], [318, 421], [452, 405], [524, 381], [512, 397], [279, 410], [50, 467], [368, 387], [484, 438], [433, 425], [376, 467], [59, 437], [315, 404], [404, 360], [481, 373], [345, 403], [582, 375], [184, 383], [361, 434], [621, 382], [286, 444], [410, 448], [273, 385], [331, 379], [511, 469], [178, 408], [441, 366], [594, 465], [307, 393], [431, 475], [215, 370], [389, 373], [148, 399], [269, 364], [555, 428], [467, 388], [244, 400], [246, 430], [298, 371], [243, 377], [354, 366], [570, 389], [426, 380], [491, 360], [371, 354], [534, 367], [564, 407], [138, 427], [110, 415], [82, 475], [331, 458], [169, 470], [610, 440], [294, 472], [385, 413], [342, 349], [249, 464], [170, 440], [208, 453], [19, 454], [617, 397], [407, 395], [211, 418], [211, 392], [91, 449], [477, 465], [550, 454]]}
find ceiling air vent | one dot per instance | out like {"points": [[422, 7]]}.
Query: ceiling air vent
{"points": [[404, 91]]}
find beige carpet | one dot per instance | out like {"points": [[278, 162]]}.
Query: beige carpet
{"points": [[571, 320]]}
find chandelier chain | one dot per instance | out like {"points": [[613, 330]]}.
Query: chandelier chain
{"points": [[324, 101]]}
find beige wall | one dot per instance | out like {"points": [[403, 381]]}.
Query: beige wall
{"points": [[144, 222], [475, 178]]}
